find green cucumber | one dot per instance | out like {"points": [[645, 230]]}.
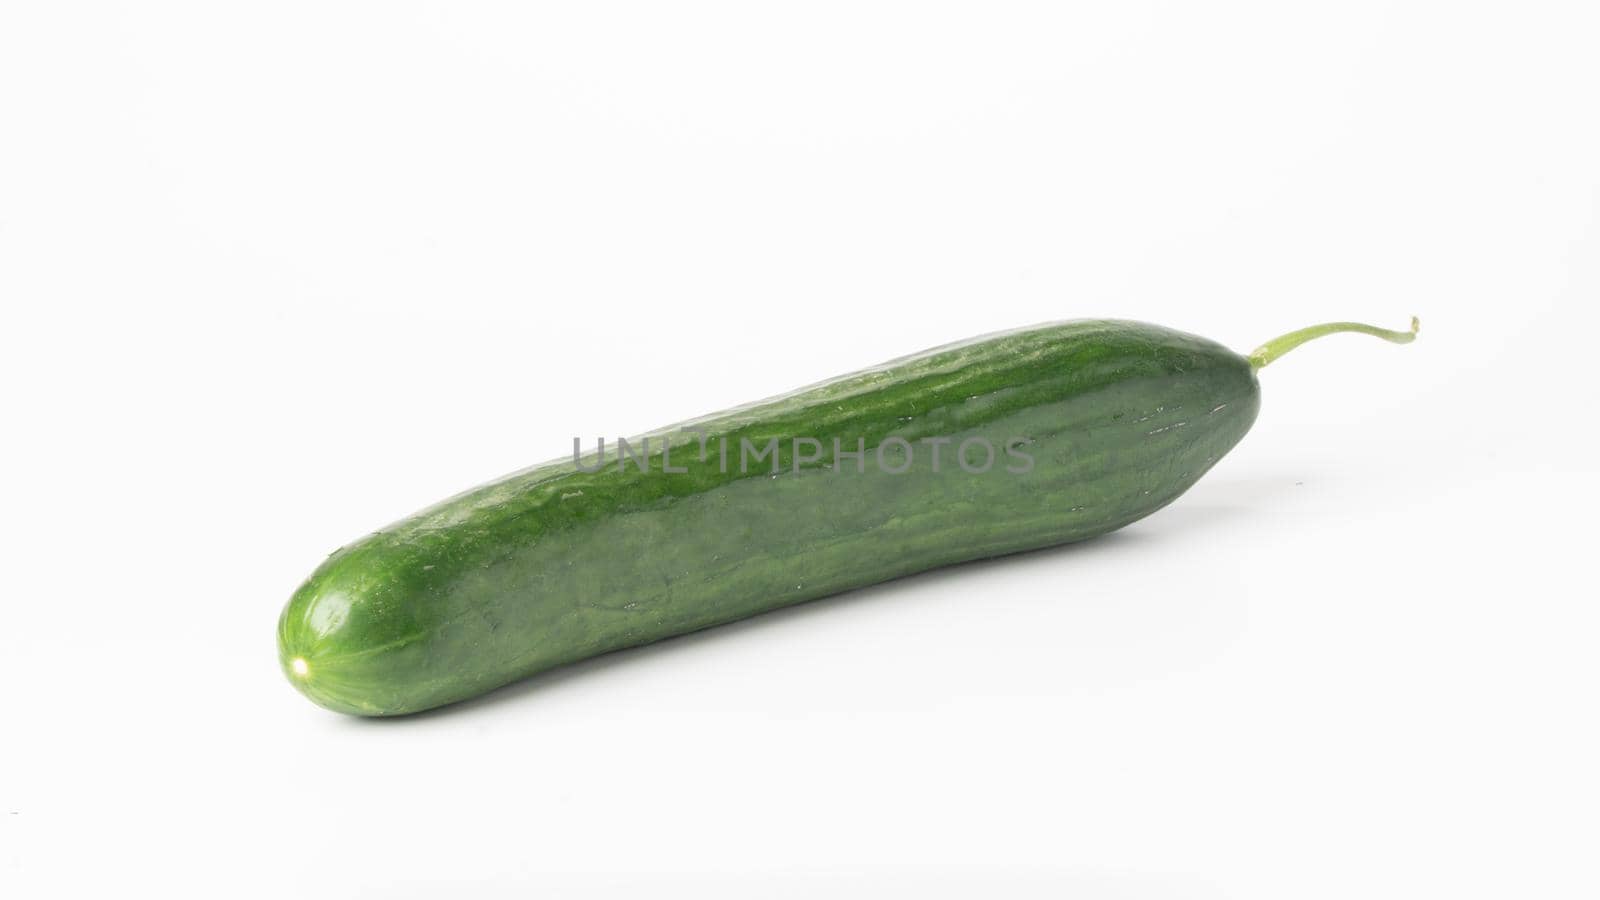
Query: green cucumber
{"points": [[1085, 426]]}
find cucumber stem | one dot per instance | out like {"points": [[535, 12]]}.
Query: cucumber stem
{"points": [[1278, 346]]}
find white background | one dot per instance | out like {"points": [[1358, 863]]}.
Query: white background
{"points": [[273, 275]]}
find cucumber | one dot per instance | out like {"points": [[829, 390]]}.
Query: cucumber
{"points": [[1004, 443]]}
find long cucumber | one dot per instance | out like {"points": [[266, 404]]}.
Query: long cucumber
{"points": [[1004, 443]]}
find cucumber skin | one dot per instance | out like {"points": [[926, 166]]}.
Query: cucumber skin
{"points": [[552, 565]]}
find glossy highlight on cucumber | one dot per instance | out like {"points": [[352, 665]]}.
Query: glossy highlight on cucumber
{"points": [[555, 563]]}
